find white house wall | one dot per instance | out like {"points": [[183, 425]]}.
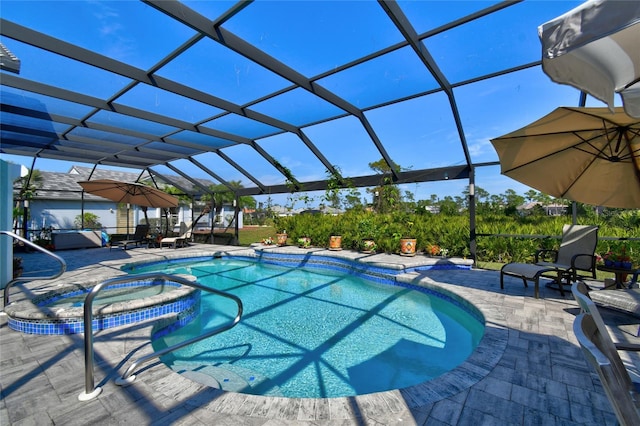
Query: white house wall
{"points": [[61, 214]]}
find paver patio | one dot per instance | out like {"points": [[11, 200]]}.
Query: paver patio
{"points": [[529, 370]]}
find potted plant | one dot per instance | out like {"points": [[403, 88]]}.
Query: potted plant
{"points": [[625, 259], [304, 242], [367, 231], [335, 242], [281, 237], [368, 245], [608, 259], [433, 250], [407, 241]]}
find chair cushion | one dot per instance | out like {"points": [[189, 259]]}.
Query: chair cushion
{"points": [[623, 300], [527, 270], [554, 265]]}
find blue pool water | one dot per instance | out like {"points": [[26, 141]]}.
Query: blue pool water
{"points": [[311, 334]]}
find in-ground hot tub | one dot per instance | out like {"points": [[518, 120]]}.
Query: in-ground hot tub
{"points": [[61, 311]]}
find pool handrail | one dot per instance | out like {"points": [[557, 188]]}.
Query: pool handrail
{"points": [[91, 391], [63, 265]]}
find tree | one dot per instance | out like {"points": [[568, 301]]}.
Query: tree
{"points": [[353, 200], [221, 194], [531, 195], [336, 185], [496, 202], [28, 185], [387, 194], [408, 203], [169, 189], [512, 198], [448, 206]]}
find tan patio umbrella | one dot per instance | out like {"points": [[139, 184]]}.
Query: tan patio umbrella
{"points": [[596, 48], [132, 193], [589, 155]]}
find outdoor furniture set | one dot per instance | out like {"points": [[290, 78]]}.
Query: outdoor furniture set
{"points": [[576, 253]]}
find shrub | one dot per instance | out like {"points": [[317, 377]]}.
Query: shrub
{"points": [[451, 233], [90, 221]]}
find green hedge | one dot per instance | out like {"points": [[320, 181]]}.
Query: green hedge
{"points": [[452, 233]]}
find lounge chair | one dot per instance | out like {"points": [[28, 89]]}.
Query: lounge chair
{"points": [[623, 300], [576, 253], [597, 347], [582, 295], [180, 240], [139, 236]]}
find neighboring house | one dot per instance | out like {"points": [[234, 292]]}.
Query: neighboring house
{"points": [[60, 199], [550, 209], [279, 210], [432, 209]]}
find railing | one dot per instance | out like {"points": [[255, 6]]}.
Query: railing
{"points": [[63, 265], [91, 391]]}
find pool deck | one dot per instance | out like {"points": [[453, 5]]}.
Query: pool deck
{"points": [[528, 368]]}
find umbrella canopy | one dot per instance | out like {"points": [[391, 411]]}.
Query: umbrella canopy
{"points": [[595, 48], [589, 155], [132, 193]]}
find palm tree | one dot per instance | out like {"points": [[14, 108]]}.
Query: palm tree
{"points": [[222, 194], [28, 184]]}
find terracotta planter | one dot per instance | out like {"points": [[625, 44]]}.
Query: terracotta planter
{"points": [[281, 239], [335, 242], [408, 246]]}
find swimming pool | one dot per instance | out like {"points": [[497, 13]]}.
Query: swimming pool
{"points": [[309, 333]]}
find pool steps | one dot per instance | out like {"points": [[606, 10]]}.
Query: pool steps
{"points": [[228, 377]]}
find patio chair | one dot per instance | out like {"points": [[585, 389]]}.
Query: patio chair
{"points": [[615, 379], [623, 300], [180, 240], [576, 253], [581, 293], [139, 236]]}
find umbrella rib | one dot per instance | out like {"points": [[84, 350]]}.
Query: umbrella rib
{"points": [[616, 135], [635, 158]]}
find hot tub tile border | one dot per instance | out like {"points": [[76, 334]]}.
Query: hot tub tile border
{"points": [[53, 326]]}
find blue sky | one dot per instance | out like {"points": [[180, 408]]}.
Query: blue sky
{"points": [[312, 38]]}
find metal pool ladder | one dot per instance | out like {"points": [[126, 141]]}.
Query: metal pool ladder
{"points": [[63, 265], [90, 390]]}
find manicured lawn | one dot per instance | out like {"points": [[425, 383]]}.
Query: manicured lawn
{"points": [[255, 234]]}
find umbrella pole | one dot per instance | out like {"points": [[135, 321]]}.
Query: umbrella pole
{"points": [[144, 210], [128, 207]]}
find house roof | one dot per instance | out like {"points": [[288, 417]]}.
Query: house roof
{"points": [[64, 186]]}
